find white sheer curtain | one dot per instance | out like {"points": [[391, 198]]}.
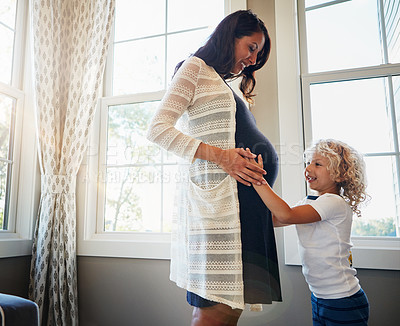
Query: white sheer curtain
{"points": [[70, 42]]}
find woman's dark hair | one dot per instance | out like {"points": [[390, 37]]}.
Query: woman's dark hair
{"points": [[219, 50]]}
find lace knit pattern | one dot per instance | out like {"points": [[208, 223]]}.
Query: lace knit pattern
{"points": [[206, 243]]}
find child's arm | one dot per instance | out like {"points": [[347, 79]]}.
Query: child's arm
{"points": [[276, 222], [281, 211]]}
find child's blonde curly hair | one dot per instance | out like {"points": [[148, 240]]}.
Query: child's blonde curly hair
{"points": [[347, 166]]}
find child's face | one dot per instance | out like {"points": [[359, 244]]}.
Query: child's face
{"points": [[318, 177]]}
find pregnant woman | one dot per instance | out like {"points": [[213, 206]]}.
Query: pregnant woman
{"points": [[223, 248]]}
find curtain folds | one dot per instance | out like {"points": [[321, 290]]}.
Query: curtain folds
{"points": [[70, 42]]}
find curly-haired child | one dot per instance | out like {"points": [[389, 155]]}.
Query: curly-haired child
{"points": [[336, 172]]}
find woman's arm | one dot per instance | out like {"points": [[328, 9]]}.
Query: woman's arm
{"points": [[162, 130], [281, 211], [174, 104]]}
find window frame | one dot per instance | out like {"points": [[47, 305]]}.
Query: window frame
{"points": [[368, 252], [91, 241], [17, 240]]}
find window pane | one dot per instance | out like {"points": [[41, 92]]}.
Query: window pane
{"points": [[139, 66], [3, 196], [344, 35], [7, 12], [354, 112], [396, 95], [139, 60], [132, 199], [7, 33], [6, 108], [181, 45], [379, 215], [133, 19], [127, 128], [392, 18], [183, 14], [141, 177], [6, 54]]}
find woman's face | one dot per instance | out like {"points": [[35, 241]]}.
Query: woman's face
{"points": [[246, 50]]}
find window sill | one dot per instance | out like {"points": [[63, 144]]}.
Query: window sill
{"points": [[12, 245], [368, 252], [124, 245]]}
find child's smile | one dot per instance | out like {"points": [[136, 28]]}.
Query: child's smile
{"points": [[318, 177]]}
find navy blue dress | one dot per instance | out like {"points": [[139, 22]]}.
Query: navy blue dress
{"points": [[260, 261]]}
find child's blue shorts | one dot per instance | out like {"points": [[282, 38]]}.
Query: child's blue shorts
{"points": [[353, 310]]}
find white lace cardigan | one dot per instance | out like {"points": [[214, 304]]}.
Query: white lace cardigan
{"points": [[206, 243]]}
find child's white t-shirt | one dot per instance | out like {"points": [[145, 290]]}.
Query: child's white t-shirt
{"points": [[324, 248]]}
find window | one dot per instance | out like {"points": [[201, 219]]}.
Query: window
{"points": [[7, 111], [8, 14], [349, 77], [351, 91], [137, 192], [145, 51], [139, 178], [131, 192], [17, 148], [9, 99]]}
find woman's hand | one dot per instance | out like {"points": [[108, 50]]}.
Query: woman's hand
{"points": [[233, 161], [236, 162], [259, 161]]}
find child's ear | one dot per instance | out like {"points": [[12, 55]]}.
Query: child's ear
{"points": [[339, 180]]}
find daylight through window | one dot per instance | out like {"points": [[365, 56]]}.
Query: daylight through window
{"points": [[351, 92], [136, 178]]}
